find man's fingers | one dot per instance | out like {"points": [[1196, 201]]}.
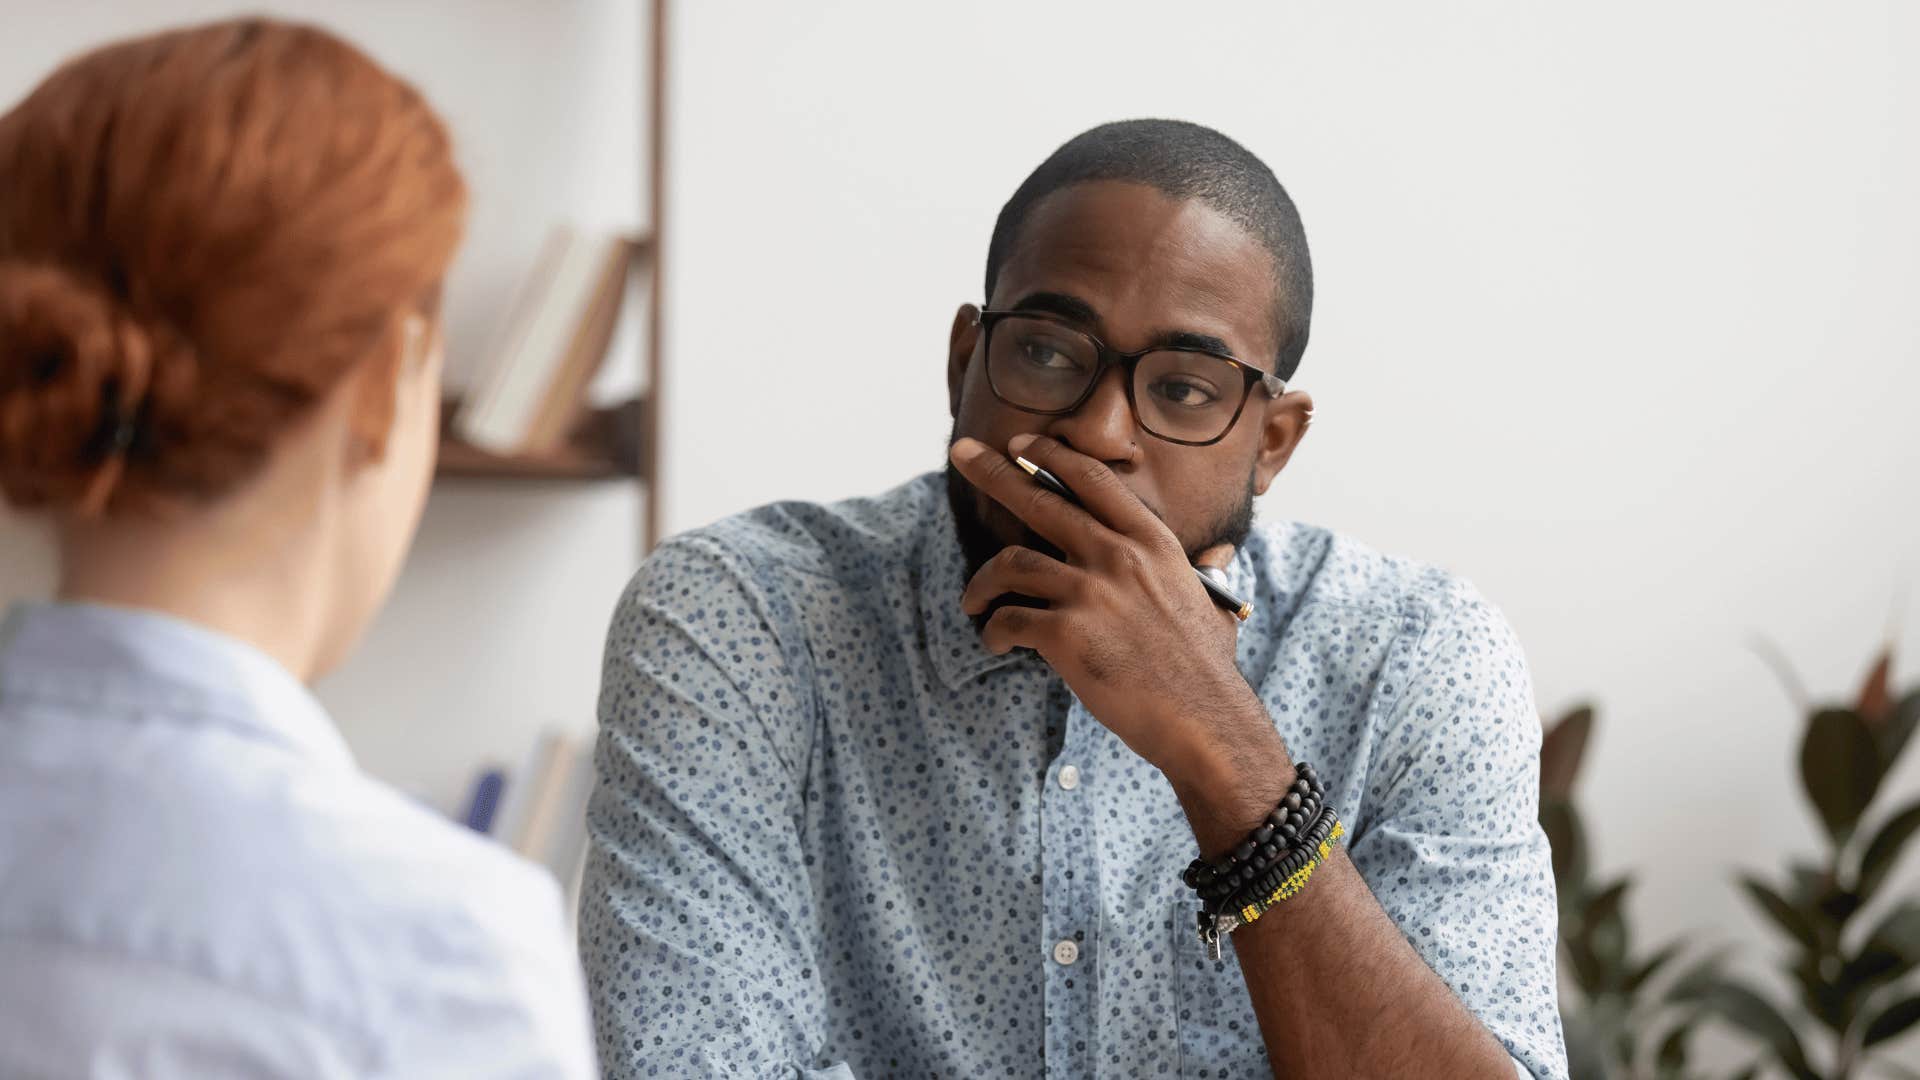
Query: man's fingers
{"points": [[1217, 556], [1097, 488], [1065, 525], [1019, 570], [1020, 627]]}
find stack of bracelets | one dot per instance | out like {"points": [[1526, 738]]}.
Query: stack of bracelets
{"points": [[1271, 865]]}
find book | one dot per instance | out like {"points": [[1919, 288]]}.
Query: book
{"points": [[485, 799], [546, 796], [566, 841], [517, 801], [566, 394], [543, 815], [528, 301], [532, 387]]}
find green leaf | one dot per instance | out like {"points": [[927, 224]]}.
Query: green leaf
{"points": [[1840, 905], [1863, 974], [1790, 918], [1873, 704], [1672, 1054], [1892, 1021], [1822, 1001], [1755, 1014], [1883, 851], [1561, 749], [1607, 931], [1840, 766], [1810, 883], [1589, 974], [1605, 905], [1698, 981], [1895, 733], [1561, 822], [1650, 966], [1900, 932]]}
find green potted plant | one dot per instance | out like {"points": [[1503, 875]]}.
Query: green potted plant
{"points": [[1618, 1026], [1851, 948]]}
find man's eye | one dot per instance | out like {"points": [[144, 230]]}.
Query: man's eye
{"points": [[1041, 354], [1185, 393]]}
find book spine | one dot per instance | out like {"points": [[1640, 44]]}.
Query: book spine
{"points": [[486, 385], [485, 801], [566, 395]]}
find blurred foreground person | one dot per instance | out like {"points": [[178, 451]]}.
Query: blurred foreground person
{"points": [[221, 254]]}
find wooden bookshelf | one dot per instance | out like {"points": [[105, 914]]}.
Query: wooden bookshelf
{"points": [[605, 444], [618, 444]]}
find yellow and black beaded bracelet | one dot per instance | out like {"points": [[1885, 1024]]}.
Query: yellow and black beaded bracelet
{"points": [[1233, 898]]}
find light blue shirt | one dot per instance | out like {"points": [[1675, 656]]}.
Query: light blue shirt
{"points": [[195, 881], [834, 836]]}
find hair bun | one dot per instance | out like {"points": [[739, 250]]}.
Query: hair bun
{"points": [[76, 371]]}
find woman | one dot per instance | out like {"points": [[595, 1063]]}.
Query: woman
{"points": [[221, 252]]}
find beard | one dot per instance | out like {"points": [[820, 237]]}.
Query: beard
{"points": [[979, 543]]}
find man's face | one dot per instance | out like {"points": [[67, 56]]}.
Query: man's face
{"points": [[1134, 268]]}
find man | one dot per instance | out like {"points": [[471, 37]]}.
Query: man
{"points": [[906, 785]]}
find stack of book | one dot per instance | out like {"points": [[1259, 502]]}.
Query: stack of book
{"points": [[527, 396], [540, 808]]}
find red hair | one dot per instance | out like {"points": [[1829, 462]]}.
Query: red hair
{"points": [[201, 233]]}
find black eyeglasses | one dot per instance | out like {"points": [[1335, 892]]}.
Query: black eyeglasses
{"points": [[1041, 364]]}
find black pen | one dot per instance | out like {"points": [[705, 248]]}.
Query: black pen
{"points": [[1216, 587]]}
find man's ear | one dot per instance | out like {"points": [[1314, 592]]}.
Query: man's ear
{"points": [[1284, 424], [960, 345]]}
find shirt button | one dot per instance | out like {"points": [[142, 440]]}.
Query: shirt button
{"points": [[1066, 952], [1069, 779]]}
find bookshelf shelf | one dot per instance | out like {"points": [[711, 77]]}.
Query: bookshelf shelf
{"points": [[606, 444]]}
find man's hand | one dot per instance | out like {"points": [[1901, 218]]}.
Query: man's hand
{"points": [[1128, 625]]}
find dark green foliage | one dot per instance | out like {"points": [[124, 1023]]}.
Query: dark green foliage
{"points": [[1852, 971], [1616, 1025]]}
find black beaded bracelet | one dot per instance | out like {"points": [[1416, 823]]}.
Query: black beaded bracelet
{"points": [[1295, 860], [1230, 881], [1268, 844], [1277, 846]]}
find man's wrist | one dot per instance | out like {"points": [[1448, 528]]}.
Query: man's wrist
{"points": [[1230, 781]]}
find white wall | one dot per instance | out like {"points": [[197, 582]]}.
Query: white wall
{"points": [[1615, 319], [495, 628]]}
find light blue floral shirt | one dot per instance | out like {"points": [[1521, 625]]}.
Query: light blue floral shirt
{"points": [[834, 836]]}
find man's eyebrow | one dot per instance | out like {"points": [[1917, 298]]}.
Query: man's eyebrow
{"points": [[1186, 339], [1067, 307], [1074, 309]]}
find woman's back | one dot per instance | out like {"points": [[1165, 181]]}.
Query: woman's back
{"points": [[198, 882], [221, 255]]}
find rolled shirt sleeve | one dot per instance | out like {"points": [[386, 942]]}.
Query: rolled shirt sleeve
{"points": [[1453, 850], [697, 925]]}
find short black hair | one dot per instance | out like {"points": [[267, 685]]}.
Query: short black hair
{"points": [[1183, 161]]}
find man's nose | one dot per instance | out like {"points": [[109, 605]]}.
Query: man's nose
{"points": [[1102, 427]]}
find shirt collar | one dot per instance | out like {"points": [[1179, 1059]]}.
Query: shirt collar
{"points": [[112, 656]]}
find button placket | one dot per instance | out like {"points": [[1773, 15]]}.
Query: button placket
{"points": [[1072, 904]]}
